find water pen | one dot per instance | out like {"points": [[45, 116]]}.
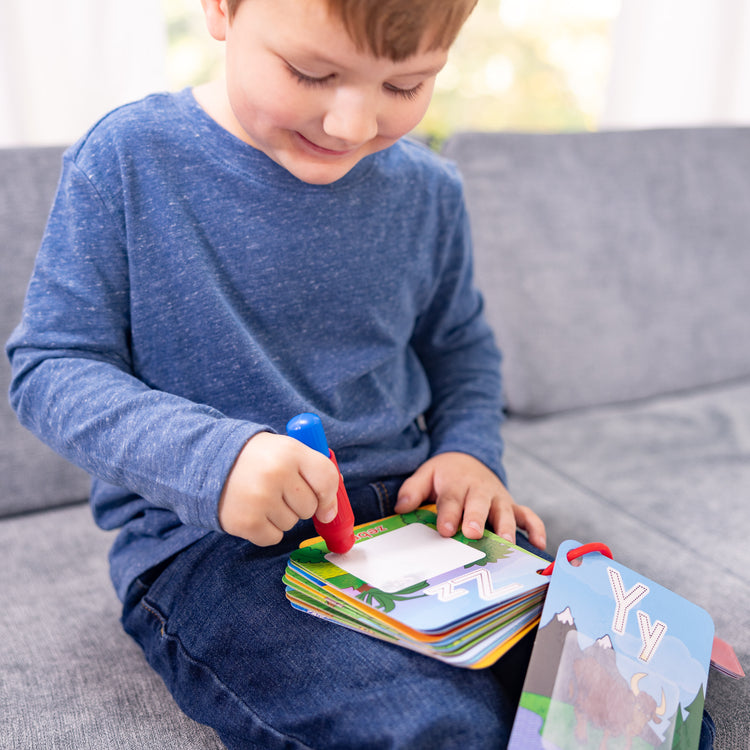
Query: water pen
{"points": [[339, 533]]}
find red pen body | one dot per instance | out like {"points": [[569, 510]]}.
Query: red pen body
{"points": [[339, 533]]}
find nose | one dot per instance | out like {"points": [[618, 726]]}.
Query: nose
{"points": [[351, 116]]}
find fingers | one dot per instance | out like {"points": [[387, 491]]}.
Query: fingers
{"points": [[321, 481], [471, 513], [415, 490], [532, 525], [275, 482], [421, 486], [507, 515], [476, 511], [502, 517], [468, 495]]}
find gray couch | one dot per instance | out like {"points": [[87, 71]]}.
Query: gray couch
{"points": [[616, 268]]}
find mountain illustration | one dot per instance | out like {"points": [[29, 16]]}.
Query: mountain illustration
{"points": [[548, 648]]}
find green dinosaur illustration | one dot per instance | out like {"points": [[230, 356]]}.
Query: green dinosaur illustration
{"points": [[387, 601]]}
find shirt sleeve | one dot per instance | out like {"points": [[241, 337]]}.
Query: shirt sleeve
{"points": [[457, 349], [73, 383]]}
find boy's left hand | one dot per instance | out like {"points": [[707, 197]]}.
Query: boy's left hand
{"points": [[464, 488]]}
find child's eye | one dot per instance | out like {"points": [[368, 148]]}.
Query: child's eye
{"points": [[405, 93], [305, 79]]}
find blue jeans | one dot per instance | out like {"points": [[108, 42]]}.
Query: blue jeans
{"points": [[214, 623]]}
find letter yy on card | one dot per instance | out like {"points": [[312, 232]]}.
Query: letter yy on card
{"points": [[618, 662], [463, 601]]}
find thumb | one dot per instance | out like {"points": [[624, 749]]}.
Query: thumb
{"points": [[322, 476], [328, 501], [415, 490]]}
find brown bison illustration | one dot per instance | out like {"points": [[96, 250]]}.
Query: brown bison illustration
{"points": [[602, 698]]}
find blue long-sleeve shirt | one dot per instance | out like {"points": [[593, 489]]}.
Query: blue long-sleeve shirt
{"points": [[189, 292]]}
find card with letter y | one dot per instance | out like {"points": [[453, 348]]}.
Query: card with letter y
{"points": [[619, 661]]}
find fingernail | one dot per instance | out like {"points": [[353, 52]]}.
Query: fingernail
{"points": [[329, 516], [475, 527], [508, 538], [400, 503]]}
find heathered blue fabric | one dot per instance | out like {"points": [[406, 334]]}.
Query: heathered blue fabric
{"points": [[190, 292]]}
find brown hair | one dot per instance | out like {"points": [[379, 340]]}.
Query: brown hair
{"points": [[396, 29]]}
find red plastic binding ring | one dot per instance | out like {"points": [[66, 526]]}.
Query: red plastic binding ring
{"points": [[584, 549]]}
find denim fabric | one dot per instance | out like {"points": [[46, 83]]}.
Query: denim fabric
{"points": [[215, 624], [708, 733]]}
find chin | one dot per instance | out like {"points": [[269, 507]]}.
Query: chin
{"points": [[320, 174], [321, 169]]}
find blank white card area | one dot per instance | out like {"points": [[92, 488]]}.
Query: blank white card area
{"points": [[404, 557]]}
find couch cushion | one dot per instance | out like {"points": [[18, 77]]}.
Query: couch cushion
{"points": [[615, 266], [70, 676], [33, 476]]}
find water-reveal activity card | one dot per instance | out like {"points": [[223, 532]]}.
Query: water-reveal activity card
{"points": [[618, 661], [461, 600]]}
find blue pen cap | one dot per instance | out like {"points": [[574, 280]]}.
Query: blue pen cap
{"points": [[308, 429]]}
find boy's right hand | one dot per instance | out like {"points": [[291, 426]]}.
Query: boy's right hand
{"points": [[275, 482]]}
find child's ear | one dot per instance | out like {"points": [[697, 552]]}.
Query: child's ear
{"points": [[217, 18]]}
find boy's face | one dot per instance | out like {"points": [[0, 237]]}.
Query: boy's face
{"points": [[299, 90]]}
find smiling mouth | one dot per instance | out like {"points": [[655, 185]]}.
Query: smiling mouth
{"points": [[324, 151]]}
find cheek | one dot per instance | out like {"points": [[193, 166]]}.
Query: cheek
{"points": [[401, 120], [260, 111], [402, 116], [266, 99]]}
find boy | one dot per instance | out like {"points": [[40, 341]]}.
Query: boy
{"points": [[217, 261]]}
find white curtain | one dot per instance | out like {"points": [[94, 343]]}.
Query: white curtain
{"points": [[64, 63], [679, 62]]}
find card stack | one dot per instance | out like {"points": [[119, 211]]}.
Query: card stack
{"points": [[462, 601]]}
